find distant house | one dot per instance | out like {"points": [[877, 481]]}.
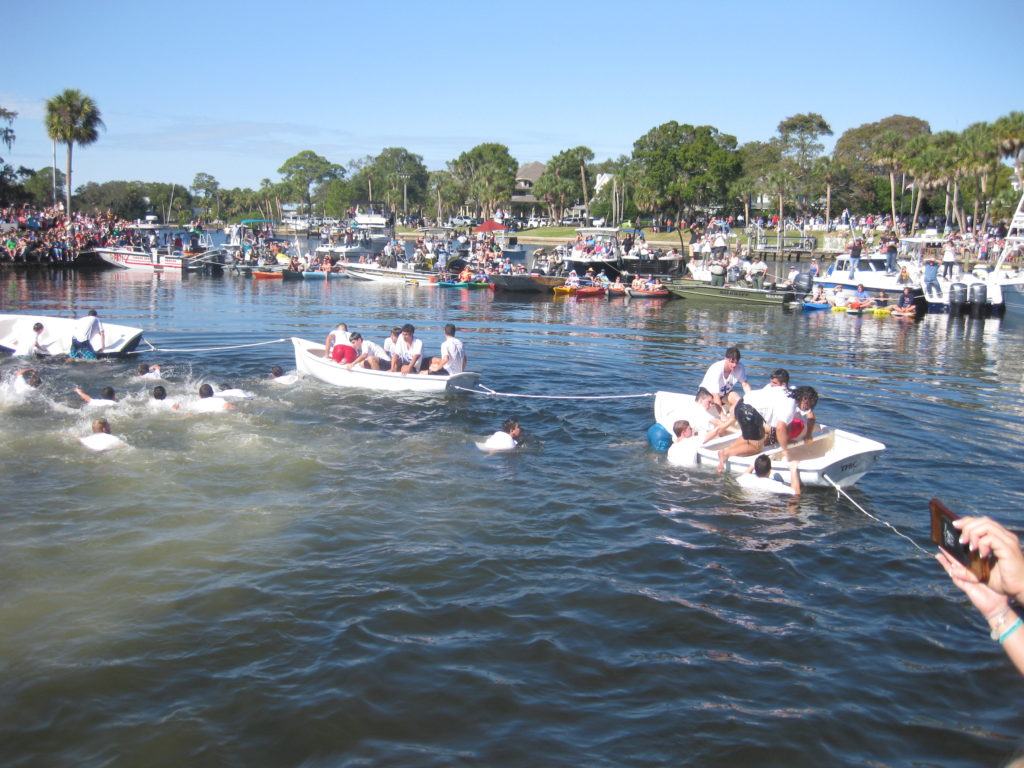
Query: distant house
{"points": [[526, 177]]}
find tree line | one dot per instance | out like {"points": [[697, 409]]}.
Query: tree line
{"points": [[675, 170]]}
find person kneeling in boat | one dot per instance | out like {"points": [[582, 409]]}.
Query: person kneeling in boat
{"points": [[763, 416], [407, 352], [757, 477], [369, 354], [453, 355], [338, 345]]}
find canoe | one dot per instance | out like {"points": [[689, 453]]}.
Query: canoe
{"points": [[564, 290], [265, 275], [466, 284], [310, 360], [834, 454], [56, 337], [812, 306], [635, 293], [615, 292], [589, 291]]}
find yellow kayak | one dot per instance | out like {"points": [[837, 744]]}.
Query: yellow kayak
{"points": [[564, 290], [838, 309]]}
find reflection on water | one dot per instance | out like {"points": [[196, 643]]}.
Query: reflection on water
{"points": [[330, 577]]}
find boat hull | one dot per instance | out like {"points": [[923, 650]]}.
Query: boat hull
{"points": [[385, 274], [695, 290], [525, 283], [1013, 297], [310, 360], [140, 260], [633, 293], [56, 337], [834, 455]]}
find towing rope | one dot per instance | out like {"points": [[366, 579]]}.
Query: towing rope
{"points": [[840, 491], [208, 349], [485, 390]]}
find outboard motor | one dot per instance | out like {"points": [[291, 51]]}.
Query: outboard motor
{"points": [[957, 298], [979, 299], [802, 284]]}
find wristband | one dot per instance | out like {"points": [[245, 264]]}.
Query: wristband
{"points": [[1013, 628]]}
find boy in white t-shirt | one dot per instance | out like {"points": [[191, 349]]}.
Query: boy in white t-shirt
{"points": [[756, 478]]}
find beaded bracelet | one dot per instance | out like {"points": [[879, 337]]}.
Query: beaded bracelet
{"points": [[1013, 628]]}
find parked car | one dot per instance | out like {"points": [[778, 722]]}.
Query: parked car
{"points": [[461, 221]]}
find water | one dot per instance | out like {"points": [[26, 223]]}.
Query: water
{"points": [[340, 578]]}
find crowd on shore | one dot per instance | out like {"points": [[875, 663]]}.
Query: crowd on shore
{"points": [[34, 235]]}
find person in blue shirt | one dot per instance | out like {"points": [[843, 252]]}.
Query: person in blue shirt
{"points": [[931, 278]]}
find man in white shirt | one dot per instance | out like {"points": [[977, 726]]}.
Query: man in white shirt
{"points": [[85, 329], [29, 344], [762, 414], [369, 354], [408, 351], [453, 355], [683, 452], [722, 377]]}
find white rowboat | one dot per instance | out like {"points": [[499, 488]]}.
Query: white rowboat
{"points": [[311, 361], [16, 333], [833, 454]]}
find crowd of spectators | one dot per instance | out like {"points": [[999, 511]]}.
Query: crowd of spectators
{"points": [[34, 235]]}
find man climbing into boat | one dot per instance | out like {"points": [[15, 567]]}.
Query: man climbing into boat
{"points": [[85, 329], [408, 351], [756, 477], [722, 377], [764, 416], [683, 451]]}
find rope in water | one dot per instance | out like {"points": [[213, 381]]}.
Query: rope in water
{"points": [[840, 491], [209, 349], [485, 390]]}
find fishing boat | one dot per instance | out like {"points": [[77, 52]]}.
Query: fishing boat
{"points": [[699, 290], [833, 455], [534, 282], [311, 360], [1006, 271], [165, 261], [16, 333]]}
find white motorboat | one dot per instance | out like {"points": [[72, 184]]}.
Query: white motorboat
{"points": [[833, 455], [16, 333], [144, 259], [405, 272], [311, 360], [1006, 271]]}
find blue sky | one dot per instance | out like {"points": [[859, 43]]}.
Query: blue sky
{"points": [[234, 89]]}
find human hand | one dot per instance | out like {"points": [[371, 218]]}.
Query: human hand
{"points": [[984, 598], [986, 536]]}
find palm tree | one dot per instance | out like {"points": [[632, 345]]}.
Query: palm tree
{"points": [[886, 152], [72, 118], [1009, 132]]}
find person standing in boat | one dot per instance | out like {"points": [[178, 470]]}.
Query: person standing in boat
{"points": [[855, 249], [723, 377], [892, 245], [453, 355], [84, 331], [948, 260], [931, 278], [408, 351]]}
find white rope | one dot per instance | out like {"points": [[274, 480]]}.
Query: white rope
{"points": [[210, 349], [485, 390], [877, 520]]}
